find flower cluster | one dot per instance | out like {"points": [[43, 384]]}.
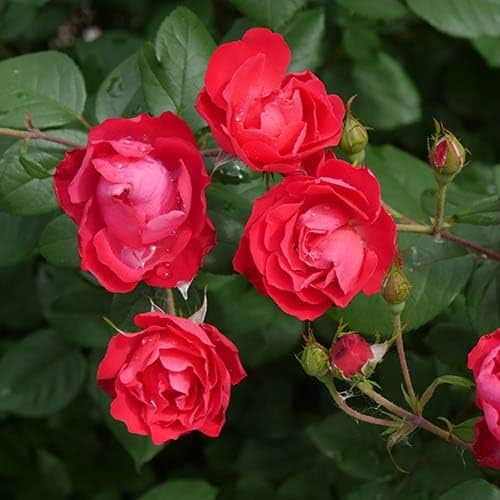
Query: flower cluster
{"points": [[137, 193]]}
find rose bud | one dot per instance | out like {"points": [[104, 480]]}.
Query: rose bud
{"points": [[354, 137], [137, 194], [172, 377], [350, 354], [314, 359], [484, 361], [396, 287], [446, 153]]}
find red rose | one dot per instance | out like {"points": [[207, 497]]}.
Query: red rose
{"points": [[171, 378], [137, 193], [313, 242], [270, 119], [350, 354], [484, 361], [486, 447]]}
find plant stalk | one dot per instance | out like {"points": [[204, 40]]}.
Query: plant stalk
{"points": [[415, 420], [440, 202], [170, 302], [398, 334], [38, 135], [330, 385], [414, 228]]}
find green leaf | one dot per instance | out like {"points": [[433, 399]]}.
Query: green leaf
{"points": [[484, 212], [445, 379], [47, 85], [77, 314], [261, 337], [58, 243], [40, 375], [379, 10], [19, 308], [140, 448], [396, 172], [360, 40], [483, 297], [15, 20], [272, 13], [154, 83], [340, 438], [120, 94], [125, 306], [19, 237], [437, 271], [182, 489], [182, 49], [461, 18], [22, 194], [475, 489], [489, 48], [229, 207], [465, 430], [102, 55], [54, 474], [388, 97], [305, 35]]}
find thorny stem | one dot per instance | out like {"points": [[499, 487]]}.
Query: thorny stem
{"points": [[170, 302], [38, 135], [398, 334], [417, 421], [330, 385], [440, 201]]}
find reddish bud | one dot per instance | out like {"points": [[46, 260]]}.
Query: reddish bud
{"points": [[350, 354], [446, 153]]}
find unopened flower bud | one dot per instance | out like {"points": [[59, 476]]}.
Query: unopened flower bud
{"points": [[351, 354], [446, 153], [396, 287], [355, 136], [314, 359]]}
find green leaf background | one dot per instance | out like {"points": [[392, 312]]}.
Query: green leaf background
{"points": [[408, 61]]}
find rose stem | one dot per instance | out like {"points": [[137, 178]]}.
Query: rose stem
{"points": [[210, 152], [396, 214], [330, 385], [84, 122], [37, 134], [414, 227], [397, 332], [170, 302], [492, 254], [415, 420], [440, 201]]}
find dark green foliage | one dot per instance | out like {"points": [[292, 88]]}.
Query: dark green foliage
{"points": [[408, 61]]}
